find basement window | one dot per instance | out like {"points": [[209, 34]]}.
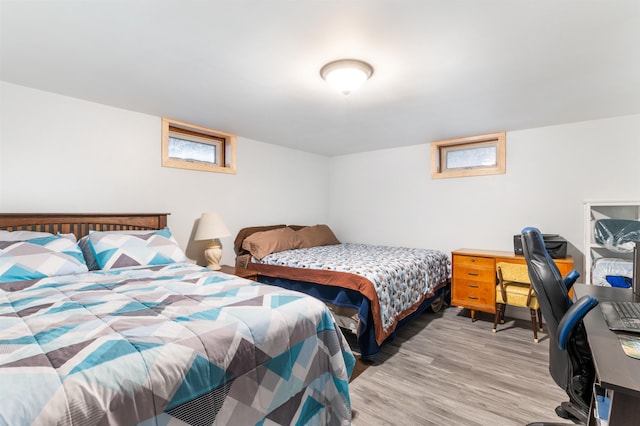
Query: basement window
{"points": [[470, 156], [187, 146]]}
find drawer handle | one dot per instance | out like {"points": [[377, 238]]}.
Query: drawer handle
{"points": [[473, 285], [473, 297], [473, 274]]}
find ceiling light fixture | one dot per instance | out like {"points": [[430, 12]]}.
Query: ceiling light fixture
{"points": [[346, 75]]}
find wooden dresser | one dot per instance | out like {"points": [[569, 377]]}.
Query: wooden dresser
{"points": [[474, 277]]}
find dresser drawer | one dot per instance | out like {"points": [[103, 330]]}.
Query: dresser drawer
{"points": [[474, 273], [467, 292], [486, 262]]}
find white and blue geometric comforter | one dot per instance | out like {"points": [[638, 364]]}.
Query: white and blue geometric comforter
{"points": [[173, 344]]}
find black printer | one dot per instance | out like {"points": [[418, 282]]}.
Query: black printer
{"points": [[554, 243]]}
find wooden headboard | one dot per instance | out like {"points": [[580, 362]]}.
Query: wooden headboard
{"points": [[81, 223]]}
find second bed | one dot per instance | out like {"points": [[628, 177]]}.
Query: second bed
{"points": [[371, 290]]}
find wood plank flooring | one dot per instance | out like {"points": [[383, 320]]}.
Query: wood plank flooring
{"points": [[443, 369]]}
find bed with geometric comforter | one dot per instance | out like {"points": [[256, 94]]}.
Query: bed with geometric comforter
{"points": [[170, 344]]}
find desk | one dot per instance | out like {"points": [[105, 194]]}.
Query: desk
{"points": [[474, 277], [614, 370]]}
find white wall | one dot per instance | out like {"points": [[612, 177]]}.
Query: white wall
{"points": [[388, 196], [60, 154]]}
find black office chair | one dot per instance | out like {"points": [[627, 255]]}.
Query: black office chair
{"points": [[570, 362]]}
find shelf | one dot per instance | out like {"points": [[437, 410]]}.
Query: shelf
{"points": [[597, 210]]}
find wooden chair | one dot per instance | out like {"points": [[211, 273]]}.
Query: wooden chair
{"points": [[514, 288]]}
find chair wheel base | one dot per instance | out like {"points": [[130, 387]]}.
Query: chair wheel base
{"points": [[494, 330], [561, 412], [535, 340], [571, 411], [567, 413]]}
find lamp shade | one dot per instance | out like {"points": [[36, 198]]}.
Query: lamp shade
{"points": [[211, 227]]}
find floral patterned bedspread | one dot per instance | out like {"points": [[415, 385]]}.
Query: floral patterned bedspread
{"points": [[401, 276]]}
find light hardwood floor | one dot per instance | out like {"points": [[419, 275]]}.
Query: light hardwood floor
{"points": [[443, 369]]}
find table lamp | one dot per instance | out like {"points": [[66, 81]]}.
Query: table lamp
{"points": [[211, 228]]}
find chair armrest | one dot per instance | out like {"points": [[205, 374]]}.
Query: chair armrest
{"points": [[570, 279], [573, 316]]}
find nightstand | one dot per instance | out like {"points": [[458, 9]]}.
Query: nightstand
{"points": [[239, 272]]}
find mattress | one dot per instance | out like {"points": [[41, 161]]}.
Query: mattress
{"points": [[612, 272], [171, 344]]}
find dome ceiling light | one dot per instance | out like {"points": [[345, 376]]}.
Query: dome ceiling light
{"points": [[346, 75]]}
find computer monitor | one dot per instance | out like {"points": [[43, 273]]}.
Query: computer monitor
{"points": [[636, 268]]}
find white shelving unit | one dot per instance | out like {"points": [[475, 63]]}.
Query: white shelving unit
{"points": [[604, 210]]}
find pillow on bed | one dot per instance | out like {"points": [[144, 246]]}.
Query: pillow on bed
{"points": [[317, 235], [22, 235], [90, 258], [260, 244], [114, 250], [28, 235], [40, 257], [245, 232]]}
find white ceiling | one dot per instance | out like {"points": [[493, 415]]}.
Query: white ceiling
{"points": [[443, 68]]}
